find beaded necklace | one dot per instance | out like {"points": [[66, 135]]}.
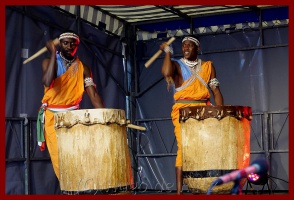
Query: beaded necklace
{"points": [[194, 66], [190, 63], [66, 61]]}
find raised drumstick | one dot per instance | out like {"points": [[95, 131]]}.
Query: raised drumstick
{"points": [[41, 51], [151, 60]]}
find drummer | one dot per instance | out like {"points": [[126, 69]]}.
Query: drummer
{"points": [[65, 78], [192, 79]]}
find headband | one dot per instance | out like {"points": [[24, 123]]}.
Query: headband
{"points": [[193, 40], [69, 35]]}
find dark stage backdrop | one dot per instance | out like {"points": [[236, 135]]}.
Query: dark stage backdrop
{"points": [[252, 70]]}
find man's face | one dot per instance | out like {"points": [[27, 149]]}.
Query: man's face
{"points": [[189, 50], [69, 46]]}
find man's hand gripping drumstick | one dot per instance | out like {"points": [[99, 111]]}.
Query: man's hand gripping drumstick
{"points": [[151, 60], [41, 51]]}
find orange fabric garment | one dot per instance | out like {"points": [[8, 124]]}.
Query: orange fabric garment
{"points": [[195, 91], [66, 90]]}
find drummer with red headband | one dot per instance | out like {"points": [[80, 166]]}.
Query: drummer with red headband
{"points": [[65, 78], [192, 80]]}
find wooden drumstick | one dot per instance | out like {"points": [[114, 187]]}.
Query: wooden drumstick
{"points": [[41, 51], [129, 125], [141, 128], [151, 60]]}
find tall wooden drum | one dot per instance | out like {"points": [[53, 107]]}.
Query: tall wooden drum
{"points": [[93, 152], [215, 141]]}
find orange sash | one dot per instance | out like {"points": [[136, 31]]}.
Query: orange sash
{"points": [[195, 91], [66, 90]]}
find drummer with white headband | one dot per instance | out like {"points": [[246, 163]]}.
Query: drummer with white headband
{"points": [[192, 80], [65, 79]]}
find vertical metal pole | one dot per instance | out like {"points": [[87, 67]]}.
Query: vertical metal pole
{"points": [[260, 29], [266, 135], [135, 82], [266, 139], [126, 78], [271, 145], [26, 155], [191, 27], [129, 65], [78, 17], [271, 131]]}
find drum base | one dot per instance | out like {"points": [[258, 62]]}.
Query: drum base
{"points": [[201, 185], [110, 191]]}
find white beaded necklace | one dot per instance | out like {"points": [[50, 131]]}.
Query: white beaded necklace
{"points": [[190, 63], [66, 61], [195, 66]]}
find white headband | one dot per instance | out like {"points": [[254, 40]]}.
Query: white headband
{"points": [[193, 40], [69, 35]]}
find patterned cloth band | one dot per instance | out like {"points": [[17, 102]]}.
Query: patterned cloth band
{"points": [[213, 83], [192, 39], [88, 82], [69, 35], [168, 49]]}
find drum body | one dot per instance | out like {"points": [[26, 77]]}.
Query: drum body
{"points": [[215, 141], [93, 152]]}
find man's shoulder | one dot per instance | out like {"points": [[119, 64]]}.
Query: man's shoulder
{"points": [[207, 62]]}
